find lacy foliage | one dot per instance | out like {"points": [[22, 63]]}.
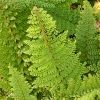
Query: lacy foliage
{"points": [[45, 63]]}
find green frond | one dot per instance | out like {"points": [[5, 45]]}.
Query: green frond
{"points": [[5, 57], [93, 68], [65, 17], [86, 36], [20, 87], [94, 95], [79, 89], [20, 4], [13, 29], [34, 41], [50, 54], [10, 43]]}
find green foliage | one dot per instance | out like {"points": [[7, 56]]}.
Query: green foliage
{"points": [[12, 34], [46, 50], [81, 87], [53, 50], [20, 87], [86, 35], [94, 95], [62, 13]]}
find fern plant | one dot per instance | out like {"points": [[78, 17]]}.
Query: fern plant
{"points": [[50, 54], [86, 36], [66, 18], [11, 39], [20, 87], [45, 64]]}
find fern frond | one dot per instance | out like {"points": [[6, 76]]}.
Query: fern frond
{"points": [[86, 36], [66, 18], [82, 87], [11, 41], [22, 4], [5, 57], [50, 54], [94, 95], [56, 8], [13, 29], [20, 87]]}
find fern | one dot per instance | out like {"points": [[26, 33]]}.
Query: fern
{"points": [[80, 88], [54, 8], [85, 36], [48, 59], [66, 18], [50, 55], [20, 87], [11, 42], [4, 47], [21, 4], [94, 95]]}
